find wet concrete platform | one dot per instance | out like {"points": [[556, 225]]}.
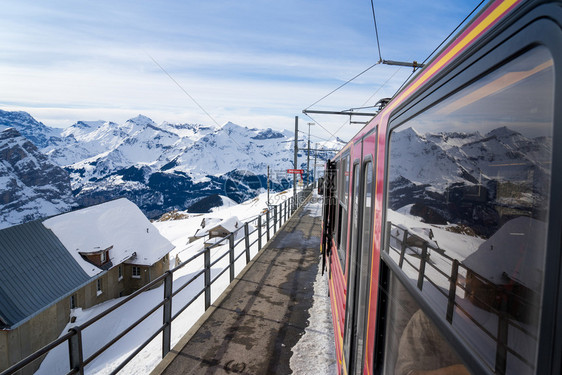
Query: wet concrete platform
{"points": [[253, 326]]}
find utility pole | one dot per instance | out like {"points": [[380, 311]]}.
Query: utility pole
{"points": [[296, 166], [315, 155], [308, 156], [268, 186]]}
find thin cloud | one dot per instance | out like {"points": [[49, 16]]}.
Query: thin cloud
{"points": [[254, 63]]}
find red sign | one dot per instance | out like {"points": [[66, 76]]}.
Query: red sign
{"points": [[295, 171]]}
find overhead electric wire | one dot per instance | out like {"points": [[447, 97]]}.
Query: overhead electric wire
{"points": [[315, 136], [381, 86], [182, 89], [342, 85], [376, 30], [452, 32], [441, 44], [319, 124], [191, 97]]}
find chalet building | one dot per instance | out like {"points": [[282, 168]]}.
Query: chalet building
{"points": [[74, 260], [214, 230], [225, 227], [506, 270]]}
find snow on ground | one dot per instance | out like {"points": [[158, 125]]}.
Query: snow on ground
{"points": [[315, 353], [314, 207], [318, 336], [179, 231]]}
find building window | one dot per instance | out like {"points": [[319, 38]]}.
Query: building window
{"points": [[103, 257], [73, 302], [120, 271], [136, 272], [99, 287]]}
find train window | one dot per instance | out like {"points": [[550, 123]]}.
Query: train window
{"points": [[413, 343], [352, 267], [468, 200], [342, 211], [364, 266], [337, 193]]}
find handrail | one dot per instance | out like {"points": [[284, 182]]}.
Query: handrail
{"points": [[281, 214], [504, 320]]}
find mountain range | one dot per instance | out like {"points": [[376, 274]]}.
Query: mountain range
{"points": [[468, 178], [160, 167]]}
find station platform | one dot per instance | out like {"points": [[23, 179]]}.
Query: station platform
{"points": [[253, 327]]}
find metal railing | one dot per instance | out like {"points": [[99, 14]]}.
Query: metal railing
{"points": [[275, 217], [399, 240]]}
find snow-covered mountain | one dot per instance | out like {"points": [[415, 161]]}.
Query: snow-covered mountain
{"points": [[31, 186], [41, 135], [438, 173], [167, 166]]}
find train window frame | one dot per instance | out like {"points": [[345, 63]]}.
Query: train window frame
{"points": [[343, 210], [528, 27], [335, 226], [354, 210], [363, 278]]}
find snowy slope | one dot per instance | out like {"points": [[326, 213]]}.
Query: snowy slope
{"points": [[165, 167], [31, 186], [41, 135]]}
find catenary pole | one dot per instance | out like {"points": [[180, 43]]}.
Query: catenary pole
{"points": [[315, 155], [295, 162], [308, 156]]}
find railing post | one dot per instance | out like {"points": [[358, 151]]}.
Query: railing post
{"points": [[167, 318], [259, 232], [267, 224], [452, 290], [503, 327], [275, 219], [231, 255], [422, 265], [403, 249], [75, 354], [207, 264], [247, 242]]}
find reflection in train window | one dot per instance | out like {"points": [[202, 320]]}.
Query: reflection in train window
{"points": [[467, 208], [413, 343]]}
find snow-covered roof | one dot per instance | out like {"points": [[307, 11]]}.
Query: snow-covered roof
{"points": [[516, 249], [119, 223], [231, 224], [209, 224]]}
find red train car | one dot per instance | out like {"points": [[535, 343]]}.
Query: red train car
{"points": [[442, 216]]}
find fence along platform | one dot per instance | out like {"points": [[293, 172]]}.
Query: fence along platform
{"points": [[252, 327], [266, 225]]}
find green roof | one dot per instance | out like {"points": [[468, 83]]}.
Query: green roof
{"points": [[36, 271]]}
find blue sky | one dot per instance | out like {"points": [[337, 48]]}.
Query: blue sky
{"points": [[256, 63]]}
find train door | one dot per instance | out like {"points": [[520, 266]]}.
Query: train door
{"points": [[359, 264], [350, 325], [329, 210]]}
